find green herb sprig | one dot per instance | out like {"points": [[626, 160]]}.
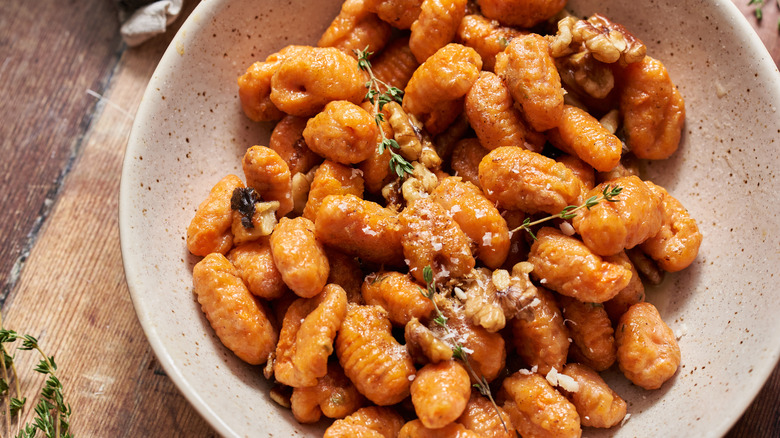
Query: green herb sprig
{"points": [[759, 13], [379, 99], [52, 414], [458, 350], [609, 194]]}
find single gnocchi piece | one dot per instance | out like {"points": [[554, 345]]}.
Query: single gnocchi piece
{"points": [[597, 404], [519, 179], [343, 132], [442, 116], [629, 295], [542, 339], [477, 217], [398, 294], [345, 271], [287, 141], [396, 64], [332, 178], [368, 422], [239, 319], [209, 230], [537, 409], [490, 111], [431, 238], [593, 339], [609, 227], [416, 429], [360, 228], [521, 13], [306, 339], [533, 80], [303, 84], [255, 265], [567, 266], [676, 244], [581, 170], [435, 27], [482, 417], [268, 174], [443, 78], [333, 396], [486, 36], [466, 156], [254, 86], [440, 393], [518, 246], [653, 110], [647, 350], [356, 28], [299, 256], [374, 361], [583, 135], [401, 14]]}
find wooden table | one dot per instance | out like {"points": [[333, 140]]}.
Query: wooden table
{"points": [[70, 89]]}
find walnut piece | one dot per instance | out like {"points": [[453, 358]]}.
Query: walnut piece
{"points": [[608, 42], [583, 47], [582, 71], [481, 304], [404, 132], [515, 299], [420, 184], [423, 345]]}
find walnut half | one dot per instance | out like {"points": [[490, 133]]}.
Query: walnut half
{"points": [[608, 42], [582, 48]]}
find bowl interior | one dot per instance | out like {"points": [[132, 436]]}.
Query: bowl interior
{"points": [[189, 132]]}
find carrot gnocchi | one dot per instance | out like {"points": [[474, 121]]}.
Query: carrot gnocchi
{"points": [[446, 247]]}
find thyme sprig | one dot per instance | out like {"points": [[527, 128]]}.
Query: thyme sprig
{"points": [[759, 13], [379, 99], [52, 414], [458, 350], [609, 194]]}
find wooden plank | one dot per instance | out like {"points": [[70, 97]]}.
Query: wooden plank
{"points": [[762, 418], [51, 53], [768, 27], [72, 292]]}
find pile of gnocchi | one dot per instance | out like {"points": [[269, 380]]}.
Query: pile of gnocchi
{"points": [[411, 261]]}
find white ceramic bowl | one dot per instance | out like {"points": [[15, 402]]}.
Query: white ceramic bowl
{"points": [[190, 131]]}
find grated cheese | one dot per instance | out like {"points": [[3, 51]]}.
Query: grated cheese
{"points": [[562, 380], [566, 228]]}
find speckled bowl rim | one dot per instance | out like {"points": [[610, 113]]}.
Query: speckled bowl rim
{"points": [[133, 262]]}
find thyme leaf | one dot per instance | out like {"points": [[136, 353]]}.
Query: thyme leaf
{"points": [[379, 99], [52, 414], [609, 194]]}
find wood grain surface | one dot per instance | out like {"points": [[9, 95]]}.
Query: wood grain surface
{"points": [[61, 273], [49, 58]]}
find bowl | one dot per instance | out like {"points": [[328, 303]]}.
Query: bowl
{"points": [[190, 131]]}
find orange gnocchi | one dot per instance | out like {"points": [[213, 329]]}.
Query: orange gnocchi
{"points": [[430, 183]]}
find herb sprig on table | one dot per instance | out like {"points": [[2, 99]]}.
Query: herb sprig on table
{"points": [[52, 414], [379, 98], [458, 350], [609, 194], [759, 11]]}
